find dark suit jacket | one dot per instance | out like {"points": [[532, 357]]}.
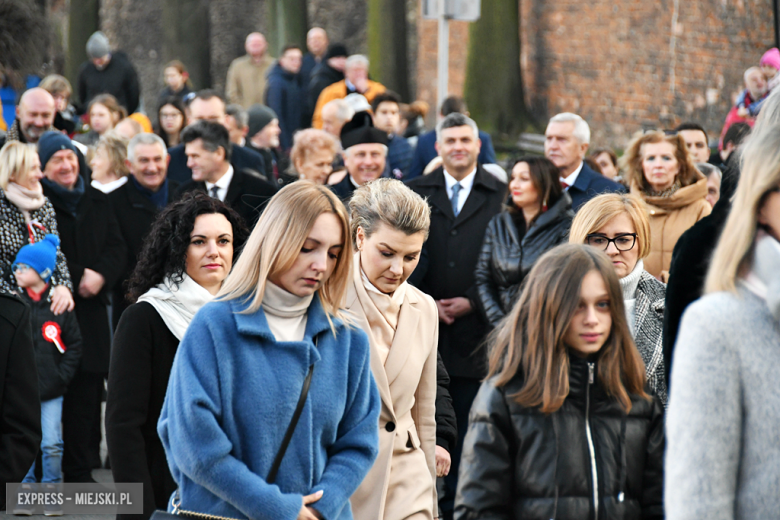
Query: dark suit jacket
{"points": [[141, 363], [91, 239], [241, 157], [588, 185], [20, 406], [451, 254], [426, 151], [343, 189], [247, 194], [135, 214]]}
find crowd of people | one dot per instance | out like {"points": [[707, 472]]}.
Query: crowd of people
{"points": [[296, 304]]}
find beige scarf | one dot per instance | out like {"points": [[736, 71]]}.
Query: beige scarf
{"points": [[24, 199]]}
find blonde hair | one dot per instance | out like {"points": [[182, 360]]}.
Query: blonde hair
{"points": [[56, 84], [276, 242], [16, 161], [631, 162], [760, 175], [116, 149], [598, 211], [390, 202], [118, 112], [306, 141]]}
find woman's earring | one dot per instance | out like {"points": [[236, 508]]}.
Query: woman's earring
{"points": [[544, 206]]}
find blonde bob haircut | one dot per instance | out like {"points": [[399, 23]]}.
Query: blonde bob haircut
{"points": [[760, 174], [529, 341], [598, 211], [631, 162], [389, 202], [276, 241], [116, 150], [16, 162]]}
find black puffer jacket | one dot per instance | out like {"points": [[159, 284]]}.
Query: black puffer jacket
{"points": [[520, 463], [505, 258]]}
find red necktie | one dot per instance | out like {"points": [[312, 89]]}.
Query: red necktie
{"points": [[564, 185]]}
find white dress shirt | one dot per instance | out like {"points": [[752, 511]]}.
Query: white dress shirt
{"points": [[571, 179], [222, 184], [465, 187]]}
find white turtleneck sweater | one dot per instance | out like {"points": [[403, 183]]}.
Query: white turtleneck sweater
{"points": [[286, 313], [629, 283]]}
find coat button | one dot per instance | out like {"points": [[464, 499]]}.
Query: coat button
{"points": [[452, 264], [454, 232], [390, 426]]}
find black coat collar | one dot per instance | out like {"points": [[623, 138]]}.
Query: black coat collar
{"points": [[484, 183]]}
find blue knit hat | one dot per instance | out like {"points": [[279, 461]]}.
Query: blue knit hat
{"points": [[41, 256], [52, 142]]}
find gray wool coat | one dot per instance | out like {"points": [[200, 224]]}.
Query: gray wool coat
{"points": [[723, 421]]}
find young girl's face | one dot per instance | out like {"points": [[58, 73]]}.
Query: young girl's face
{"points": [[173, 78], [769, 71], [591, 324], [100, 119]]}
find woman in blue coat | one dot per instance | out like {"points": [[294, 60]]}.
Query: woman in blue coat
{"points": [[240, 368]]}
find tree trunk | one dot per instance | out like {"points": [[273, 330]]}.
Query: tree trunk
{"points": [[387, 45], [494, 87], [186, 38], [289, 24], [84, 20]]}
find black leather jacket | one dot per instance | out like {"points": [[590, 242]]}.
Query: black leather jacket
{"points": [[519, 463], [505, 258]]}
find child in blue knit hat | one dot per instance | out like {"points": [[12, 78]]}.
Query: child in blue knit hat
{"points": [[57, 341]]}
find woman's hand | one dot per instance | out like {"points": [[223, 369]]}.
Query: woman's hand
{"points": [[61, 300], [307, 513], [443, 462]]}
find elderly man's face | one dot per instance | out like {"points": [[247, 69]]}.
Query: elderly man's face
{"points": [[365, 162], [756, 83], [212, 109], [356, 73], [330, 121], [63, 169], [268, 137], [256, 45], [36, 114], [562, 148], [317, 41], [149, 165]]}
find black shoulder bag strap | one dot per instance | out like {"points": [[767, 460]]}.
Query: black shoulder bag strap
{"points": [[293, 423]]}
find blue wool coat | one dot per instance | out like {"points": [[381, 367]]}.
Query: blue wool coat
{"points": [[232, 392]]}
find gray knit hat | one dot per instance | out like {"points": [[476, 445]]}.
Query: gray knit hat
{"points": [[97, 45], [259, 117]]}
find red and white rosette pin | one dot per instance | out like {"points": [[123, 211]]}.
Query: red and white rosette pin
{"points": [[53, 334]]}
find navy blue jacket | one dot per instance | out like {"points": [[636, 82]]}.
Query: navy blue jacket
{"points": [[426, 152], [241, 157], [588, 185], [284, 95]]}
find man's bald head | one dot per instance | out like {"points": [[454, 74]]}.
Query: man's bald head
{"points": [[317, 41], [256, 45], [35, 112]]}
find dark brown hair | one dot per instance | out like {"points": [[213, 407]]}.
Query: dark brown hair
{"points": [[545, 177], [529, 340]]}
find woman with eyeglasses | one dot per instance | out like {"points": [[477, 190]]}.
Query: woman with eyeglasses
{"points": [[171, 120], [536, 219], [617, 224]]}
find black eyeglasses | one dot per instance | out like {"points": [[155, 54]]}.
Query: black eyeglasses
{"points": [[624, 242]]}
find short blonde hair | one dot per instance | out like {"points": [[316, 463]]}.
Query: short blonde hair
{"points": [[306, 141], [390, 202], [116, 149], [276, 242], [631, 162], [16, 161], [598, 211], [56, 84]]}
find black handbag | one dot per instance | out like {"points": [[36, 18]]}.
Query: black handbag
{"points": [[177, 511]]}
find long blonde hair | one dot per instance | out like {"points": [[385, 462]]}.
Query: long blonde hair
{"points": [[276, 242], [16, 161], [760, 165]]}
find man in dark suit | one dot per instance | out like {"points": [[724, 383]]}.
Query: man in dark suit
{"points": [[208, 105], [566, 141], [463, 198], [208, 148], [137, 203], [365, 153], [426, 143], [20, 405]]}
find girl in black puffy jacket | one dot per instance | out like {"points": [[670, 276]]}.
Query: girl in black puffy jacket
{"points": [[563, 427]]}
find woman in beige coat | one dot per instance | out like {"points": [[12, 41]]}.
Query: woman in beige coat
{"points": [[389, 226], [662, 173]]}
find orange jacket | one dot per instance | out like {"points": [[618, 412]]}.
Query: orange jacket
{"points": [[339, 91]]}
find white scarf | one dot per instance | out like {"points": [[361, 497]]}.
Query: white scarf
{"points": [[177, 305], [629, 284], [24, 199], [763, 279], [110, 186]]}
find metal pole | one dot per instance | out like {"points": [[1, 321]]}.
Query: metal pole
{"points": [[777, 23], [444, 54]]}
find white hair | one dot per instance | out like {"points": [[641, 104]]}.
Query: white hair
{"points": [[357, 59], [344, 111], [748, 72], [145, 139], [581, 128]]}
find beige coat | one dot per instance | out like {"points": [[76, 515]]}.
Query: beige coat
{"points": [[670, 217], [246, 80], [402, 482]]}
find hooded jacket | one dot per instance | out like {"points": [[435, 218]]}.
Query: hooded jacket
{"points": [[506, 257], [669, 218], [520, 463]]}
